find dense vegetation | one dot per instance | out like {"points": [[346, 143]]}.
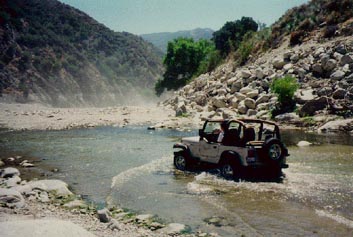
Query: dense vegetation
{"points": [[186, 59], [60, 55]]}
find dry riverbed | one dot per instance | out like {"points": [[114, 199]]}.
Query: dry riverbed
{"points": [[40, 117]]}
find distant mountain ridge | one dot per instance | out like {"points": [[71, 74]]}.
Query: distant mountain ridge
{"points": [[160, 40], [55, 54]]}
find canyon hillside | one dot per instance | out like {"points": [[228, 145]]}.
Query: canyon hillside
{"points": [[57, 55]]}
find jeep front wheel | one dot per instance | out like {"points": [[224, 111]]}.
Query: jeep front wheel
{"points": [[180, 161]]}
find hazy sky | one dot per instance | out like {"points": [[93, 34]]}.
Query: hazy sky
{"points": [[151, 16]]}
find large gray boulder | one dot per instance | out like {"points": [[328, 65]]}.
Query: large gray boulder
{"points": [[278, 63], [310, 107], [345, 125], [250, 103], [346, 59], [42, 228], [9, 172], [303, 96], [59, 187], [337, 75], [11, 198]]}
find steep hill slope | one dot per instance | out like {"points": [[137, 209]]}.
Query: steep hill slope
{"points": [[161, 40], [321, 63], [53, 53]]}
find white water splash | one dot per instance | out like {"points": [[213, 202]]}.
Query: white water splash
{"points": [[337, 218], [129, 174]]}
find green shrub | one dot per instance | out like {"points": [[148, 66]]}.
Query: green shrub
{"points": [[284, 88]]}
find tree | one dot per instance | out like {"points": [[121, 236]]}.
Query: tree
{"points": [[182, 62], [228, 38]]}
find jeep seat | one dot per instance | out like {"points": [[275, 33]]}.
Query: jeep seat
{"points": [[249, 135], [231, 137]]}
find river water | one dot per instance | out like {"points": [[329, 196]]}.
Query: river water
{"points": [[132, 167]]}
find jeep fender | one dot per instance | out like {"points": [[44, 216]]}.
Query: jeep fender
{"points": [[234, 156], [182, 148]]}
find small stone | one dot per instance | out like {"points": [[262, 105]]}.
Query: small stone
{"points": [[103, 215], [144, 217]]}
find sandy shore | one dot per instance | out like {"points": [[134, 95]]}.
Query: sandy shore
{"points": [[40, 117]]}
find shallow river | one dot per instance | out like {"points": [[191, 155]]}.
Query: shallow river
{"points": [[132, 167]]}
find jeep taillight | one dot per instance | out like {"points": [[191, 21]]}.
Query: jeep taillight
{"points": [[251, 153]]}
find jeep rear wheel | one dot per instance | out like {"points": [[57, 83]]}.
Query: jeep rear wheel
{"points": [[274, 149], [230, 171], [180, 161]]}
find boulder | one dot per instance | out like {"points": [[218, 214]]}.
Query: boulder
{"points": [[325, 91], [236, 86], [218, 102], [1, 163], [263, 98], [329, 65], [259, 73], [180, 110], [278, 63], [252, 94], [144, 218], [245, 90], [13, 181], [239, 96], [11, 198], [200, 99], [287, 117], [234, 103], [303, 144], [251, 112], [345, 125], [250, 103], [242, 109], [346, 59], [317, 69], [339, 94], [9, 172], [310, 107], [303, 96], [173, 229], [341, 48], [263, 106], [337, 75], [222, 92], [75, 204], [287, 67], [59, 187], [103, 215], [245, 74], [42, 228]]}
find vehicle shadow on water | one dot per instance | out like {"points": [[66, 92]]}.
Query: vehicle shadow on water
{"points": [[252, 175]]}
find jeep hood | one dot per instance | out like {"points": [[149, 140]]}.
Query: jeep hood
{"points": [[190, 139]]}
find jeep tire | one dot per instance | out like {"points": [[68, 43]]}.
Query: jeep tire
{"points": [[230, 170], [274, 150], [181, 161]]}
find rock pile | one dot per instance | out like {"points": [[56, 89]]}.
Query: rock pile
{"points": [[324, 72]]}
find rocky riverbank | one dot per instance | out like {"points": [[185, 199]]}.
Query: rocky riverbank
{"points": [[324, 71], [48, 208]]}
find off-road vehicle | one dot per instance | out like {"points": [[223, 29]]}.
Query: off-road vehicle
{"points": [[247, 144]]}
